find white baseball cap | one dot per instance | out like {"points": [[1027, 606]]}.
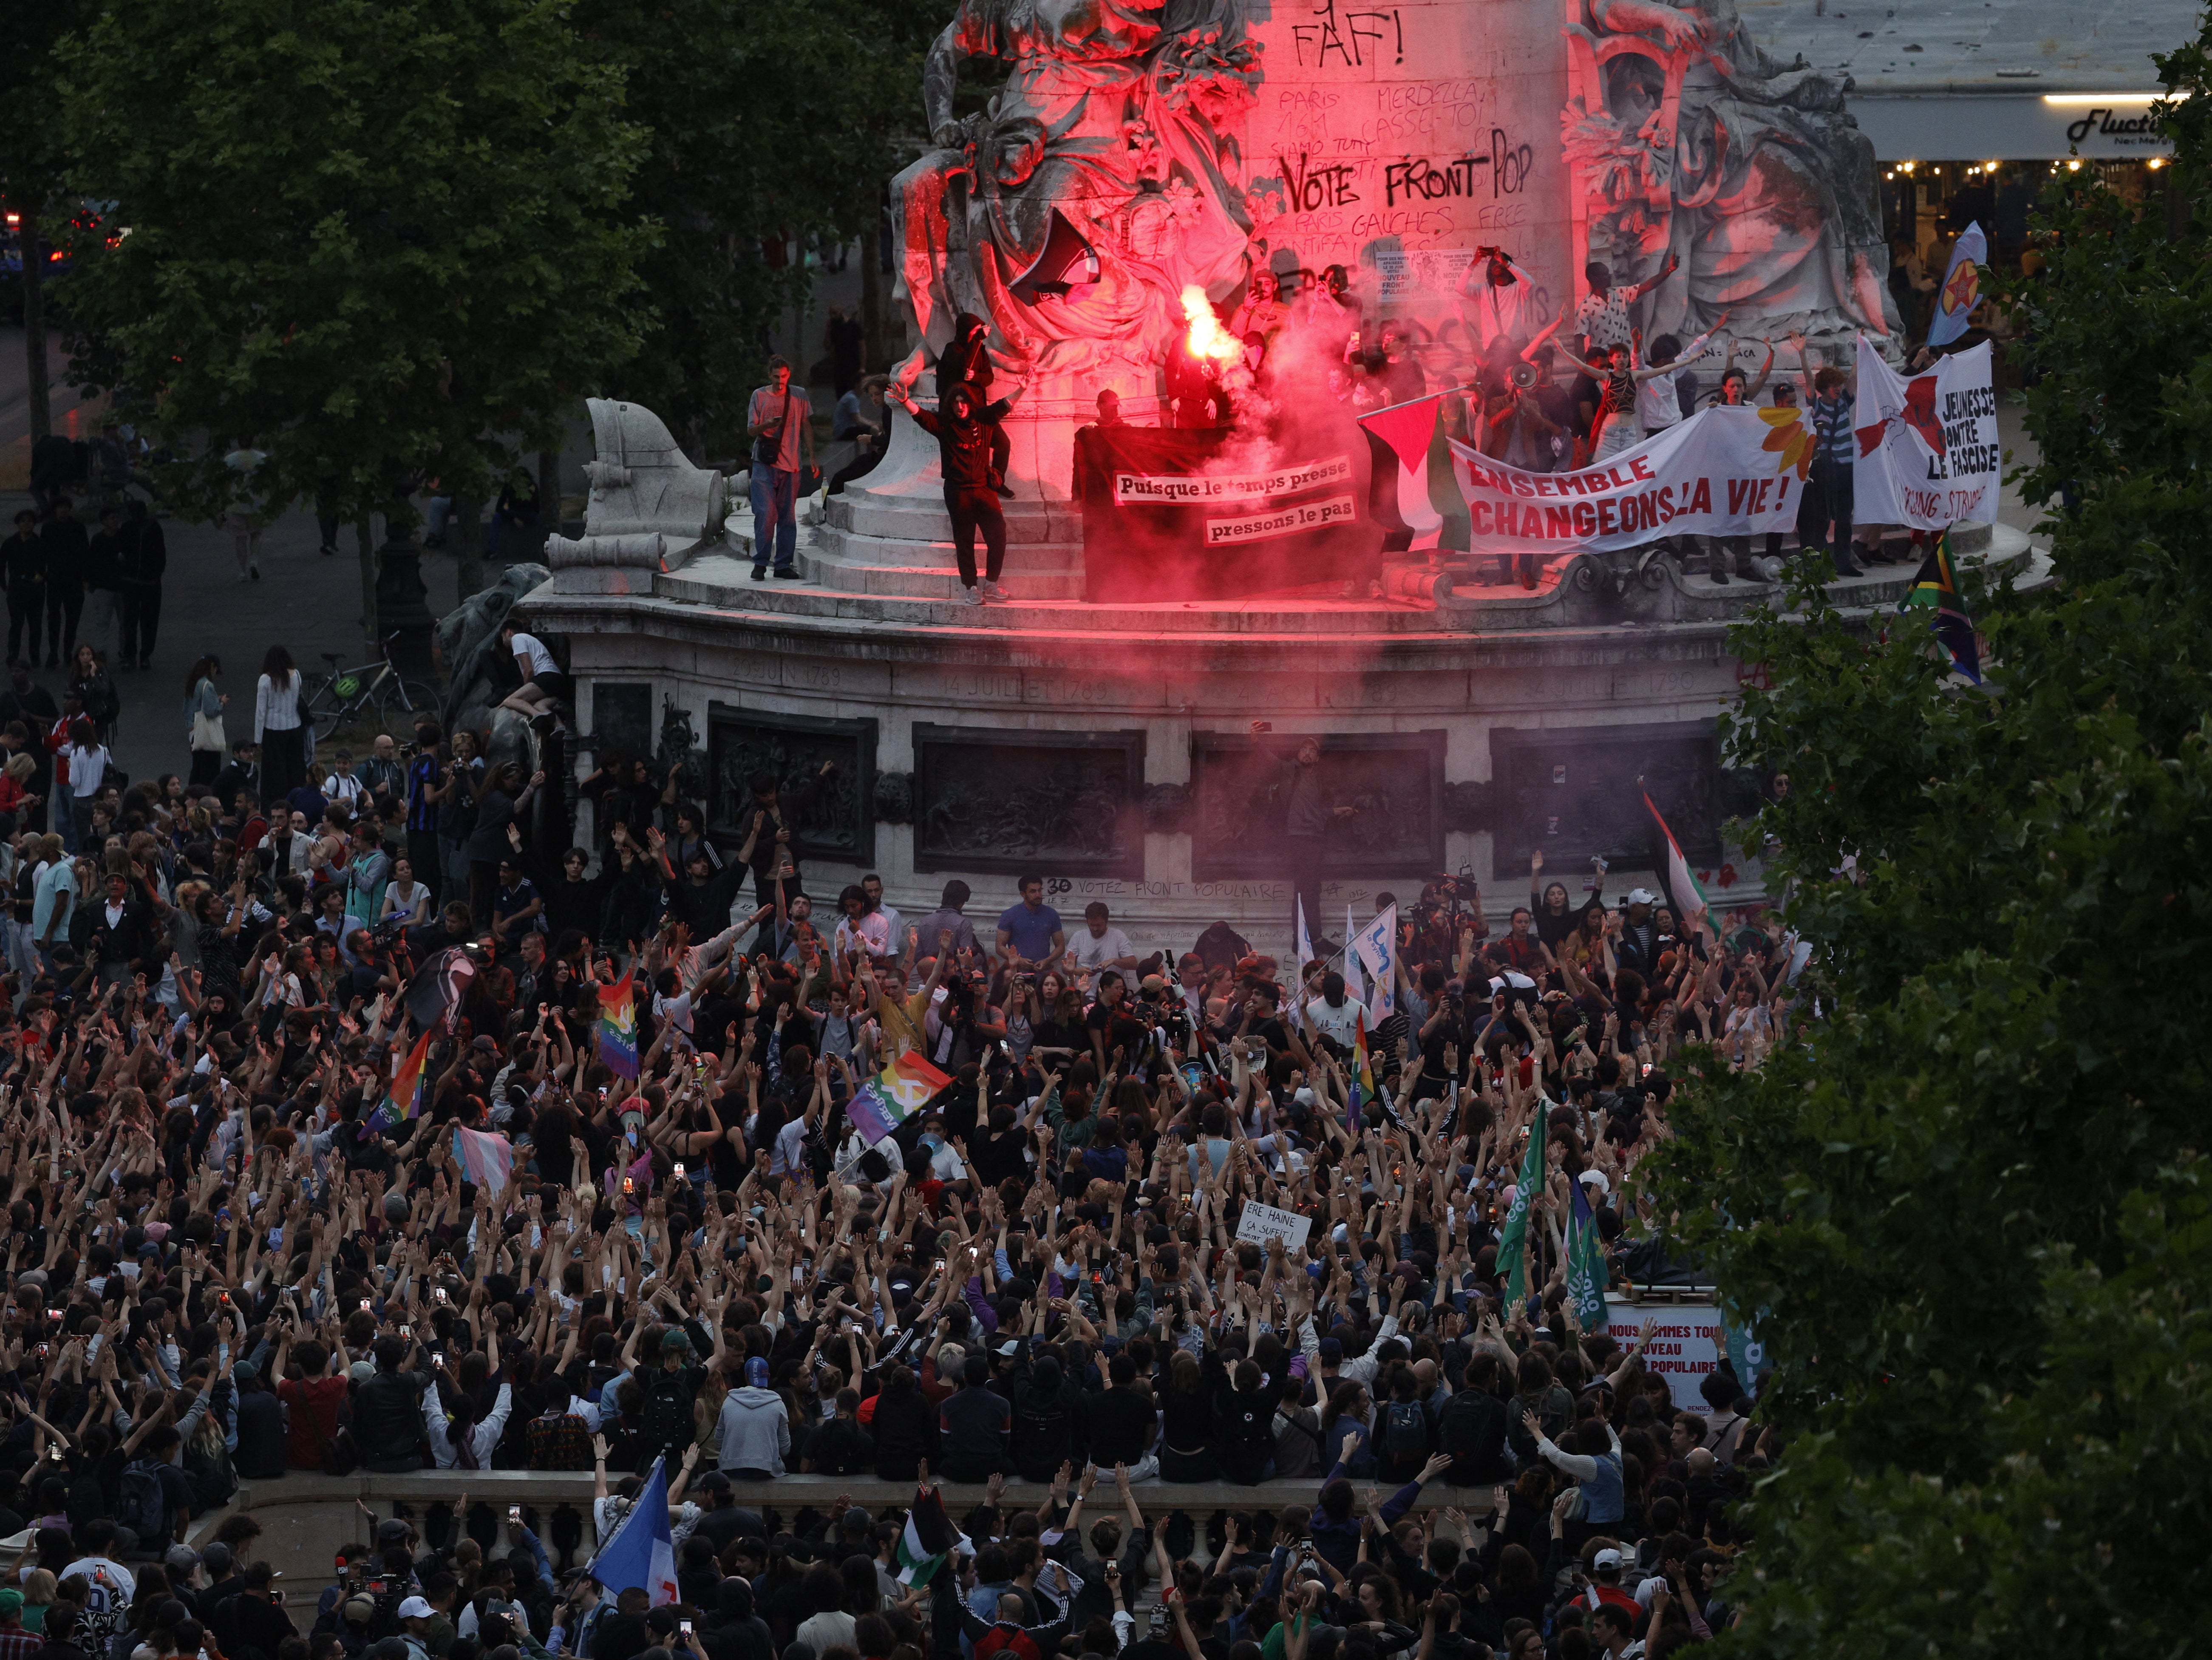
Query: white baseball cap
{"points": [[416, 1608], [1642, 897]]}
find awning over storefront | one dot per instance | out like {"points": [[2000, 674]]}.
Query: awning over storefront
{"points": [[1966, 126]]}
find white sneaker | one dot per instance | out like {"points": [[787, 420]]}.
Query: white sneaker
{"points": [[996, 591], [974, 596]]}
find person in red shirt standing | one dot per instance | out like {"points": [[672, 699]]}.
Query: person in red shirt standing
{"points": [[312, 1401]]}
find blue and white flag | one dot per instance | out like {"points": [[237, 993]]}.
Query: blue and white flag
{"points": [[1376, 946], [1304, 943], [1354, 987], [641, 1554]]}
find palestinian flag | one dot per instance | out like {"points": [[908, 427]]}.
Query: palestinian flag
{"points": [[1936, 588], [929, 1538], [1410, 489], [1681, 882]]}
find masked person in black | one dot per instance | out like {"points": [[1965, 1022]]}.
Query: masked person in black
{"points": [[964, 428], [967, 361]]}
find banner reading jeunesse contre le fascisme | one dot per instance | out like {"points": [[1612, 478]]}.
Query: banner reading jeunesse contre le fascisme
{"points": [[1725, 472], [1929, 454]]}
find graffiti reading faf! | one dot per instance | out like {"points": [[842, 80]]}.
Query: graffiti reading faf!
{"points": [[1353, 39]]}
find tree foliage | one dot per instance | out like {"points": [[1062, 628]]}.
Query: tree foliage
{"points": [[772, 121], [1966, 1209], [374, 234]]}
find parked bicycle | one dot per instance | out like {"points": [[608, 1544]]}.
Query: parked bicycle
{"points": [[343, 695]]}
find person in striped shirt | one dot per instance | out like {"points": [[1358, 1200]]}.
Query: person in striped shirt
{"points": [[1827, 501]]}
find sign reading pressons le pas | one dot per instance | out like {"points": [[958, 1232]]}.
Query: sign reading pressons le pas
{"points": [[1928, 453], [1728, 470], [1260, 1223]]}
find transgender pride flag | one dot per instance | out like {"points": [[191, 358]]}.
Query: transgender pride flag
{"points": [[486, 1160]]}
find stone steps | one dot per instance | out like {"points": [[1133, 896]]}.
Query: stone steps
{"points": [[724, 581]]}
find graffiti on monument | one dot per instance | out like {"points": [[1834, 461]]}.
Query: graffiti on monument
{"points": [[1393, 783], [990, 800], [832, 813]]}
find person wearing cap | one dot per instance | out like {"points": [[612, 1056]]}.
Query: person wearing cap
{"points": [[754, 1430], [417, 1615], [15, 1643], [1636, 942]]}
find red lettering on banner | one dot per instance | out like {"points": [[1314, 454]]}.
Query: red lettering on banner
{"points": [[1613, 476], [1547, 485], [1781, 499], [1658, 505], [1585, 519], [1641, 467], [1701, 498], [1739, 489], [1524, 485], [1560, 522], [1606, 525], [1478, 514], [1667, 500], [1764, 485]]}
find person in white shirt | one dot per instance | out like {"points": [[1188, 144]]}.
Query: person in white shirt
{"points": [[452, 1434], [544, 687], [1333, 1014], [1100, 945], [1659, 399], [87, 765]]}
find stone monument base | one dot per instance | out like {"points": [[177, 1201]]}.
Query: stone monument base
{"points": [[1112, 749]]}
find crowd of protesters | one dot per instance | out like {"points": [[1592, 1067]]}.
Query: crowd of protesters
{"points": [[243, 1243]]}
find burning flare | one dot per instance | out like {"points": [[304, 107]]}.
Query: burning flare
{"points": [[1207, 339]]}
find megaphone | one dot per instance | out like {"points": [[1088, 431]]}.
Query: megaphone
{"points": [[1068, 261]]}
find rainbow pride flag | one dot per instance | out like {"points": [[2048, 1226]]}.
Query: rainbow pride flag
{"points": [[902, 1088], [404, 1100], [618, 1028], [1363, 1081]]}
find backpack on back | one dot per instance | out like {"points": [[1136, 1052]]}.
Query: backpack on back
{"points": [[138, 1503], [1406, 1432], [667, 1425], [559, 1443]]}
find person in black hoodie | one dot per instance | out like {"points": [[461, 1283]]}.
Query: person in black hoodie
{"points": [[964, 427], [967, 361], [145, 561]]}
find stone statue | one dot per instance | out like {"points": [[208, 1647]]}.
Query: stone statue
{"points": [[649, 507], [1121, 122], [468, 645], [1687, 139]]}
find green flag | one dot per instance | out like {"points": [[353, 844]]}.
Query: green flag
{"points": [[1586, 1274], [1530, 1183]]}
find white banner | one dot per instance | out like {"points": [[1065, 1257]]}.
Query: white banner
{"points": [[1281, 521], [1260, 1223], [1376, 946], [1727, 471], [1176, 487], [1928, 455], [1687, 1345]]}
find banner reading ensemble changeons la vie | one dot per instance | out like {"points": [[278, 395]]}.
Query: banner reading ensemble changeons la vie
{"points": [[1728, 470]]}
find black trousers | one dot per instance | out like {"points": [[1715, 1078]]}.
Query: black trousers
{"points": [[65, 604], [141, 619], [423, 854], [284, 763], [27, 609], [1827, 500], [970, 507]]}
